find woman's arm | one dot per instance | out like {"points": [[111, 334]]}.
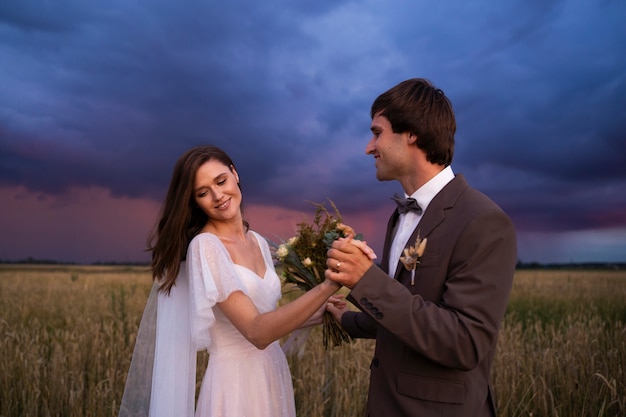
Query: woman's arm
{"points": [[263, 329]]}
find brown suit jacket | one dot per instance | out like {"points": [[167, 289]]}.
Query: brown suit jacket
{"points": [[435, 340]]}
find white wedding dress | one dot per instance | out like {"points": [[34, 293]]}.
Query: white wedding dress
{"points": [[240, 380]]}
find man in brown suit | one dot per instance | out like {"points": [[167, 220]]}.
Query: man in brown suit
{"points": [[436, 327]]}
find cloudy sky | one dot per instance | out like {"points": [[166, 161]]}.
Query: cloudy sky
{"points": [[99, 99]]}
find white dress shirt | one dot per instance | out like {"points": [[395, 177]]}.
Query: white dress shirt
{"points": [[409, 221]]}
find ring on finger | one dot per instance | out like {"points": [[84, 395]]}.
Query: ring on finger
{"points": [[338, 265]]}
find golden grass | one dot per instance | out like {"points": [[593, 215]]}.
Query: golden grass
{"points": [[562, 347], [67, 335]]}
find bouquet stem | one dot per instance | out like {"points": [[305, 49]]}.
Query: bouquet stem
{"points": [[333, 332]]}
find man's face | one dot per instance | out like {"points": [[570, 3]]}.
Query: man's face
{"points": [[389, 149]]}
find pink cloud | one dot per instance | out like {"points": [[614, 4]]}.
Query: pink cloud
{"points": [[276, 223], [82, 225], [88, 225]]}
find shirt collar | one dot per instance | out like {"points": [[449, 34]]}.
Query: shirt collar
{"points": [[428, 191]]}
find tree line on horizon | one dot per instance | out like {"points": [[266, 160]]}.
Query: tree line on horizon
{"points": [[520, 264]]}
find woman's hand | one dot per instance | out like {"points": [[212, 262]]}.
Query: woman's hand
{"points": [[364, 248], [335, 301]]}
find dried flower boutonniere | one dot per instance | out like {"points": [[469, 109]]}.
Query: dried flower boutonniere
{"points": [[412, 256]]}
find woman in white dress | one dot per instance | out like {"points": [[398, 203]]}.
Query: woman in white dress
{"points": [[215, 289]]}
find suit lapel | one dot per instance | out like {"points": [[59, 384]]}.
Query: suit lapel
{"points": [[433, 216], [392, 224]]}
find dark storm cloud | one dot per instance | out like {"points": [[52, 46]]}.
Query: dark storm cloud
{"points": [[123, 85], [111, 94], [40, 16]]}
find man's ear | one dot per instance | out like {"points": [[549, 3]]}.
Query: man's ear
{"points": [[411, 138], [234, 171]]}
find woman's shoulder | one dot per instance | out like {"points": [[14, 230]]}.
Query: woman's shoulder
{"points": [[209, 240], [210, 237], [256, 234], [260, 238], [205, 239], [205, 236]]}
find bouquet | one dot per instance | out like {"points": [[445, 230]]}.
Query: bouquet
{"points": [[302, 261]]}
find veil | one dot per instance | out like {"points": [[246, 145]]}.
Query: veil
{"points": [[162, 375]]}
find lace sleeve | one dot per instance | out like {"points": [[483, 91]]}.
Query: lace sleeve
{"points": [[212, 278]]}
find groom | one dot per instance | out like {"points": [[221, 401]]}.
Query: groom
{"points": [[436, 325]]}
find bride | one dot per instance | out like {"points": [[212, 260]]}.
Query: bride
{"points": [[216, 289]]}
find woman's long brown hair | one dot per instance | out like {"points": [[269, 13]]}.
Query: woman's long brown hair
{"points": [[181, 219]]}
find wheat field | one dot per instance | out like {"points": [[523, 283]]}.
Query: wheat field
{"points": [[67, 335]]}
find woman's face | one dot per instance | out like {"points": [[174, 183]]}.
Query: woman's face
{"points": [[216, 191]]}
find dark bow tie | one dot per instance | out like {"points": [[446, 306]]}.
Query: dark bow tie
{"points": [[406, 204]]}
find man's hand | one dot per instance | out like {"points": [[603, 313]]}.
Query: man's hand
{"points": [[348, 260], [337, 310], [335, 301]]}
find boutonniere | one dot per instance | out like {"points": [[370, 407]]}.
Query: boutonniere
{"points": [[412, 256]]}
